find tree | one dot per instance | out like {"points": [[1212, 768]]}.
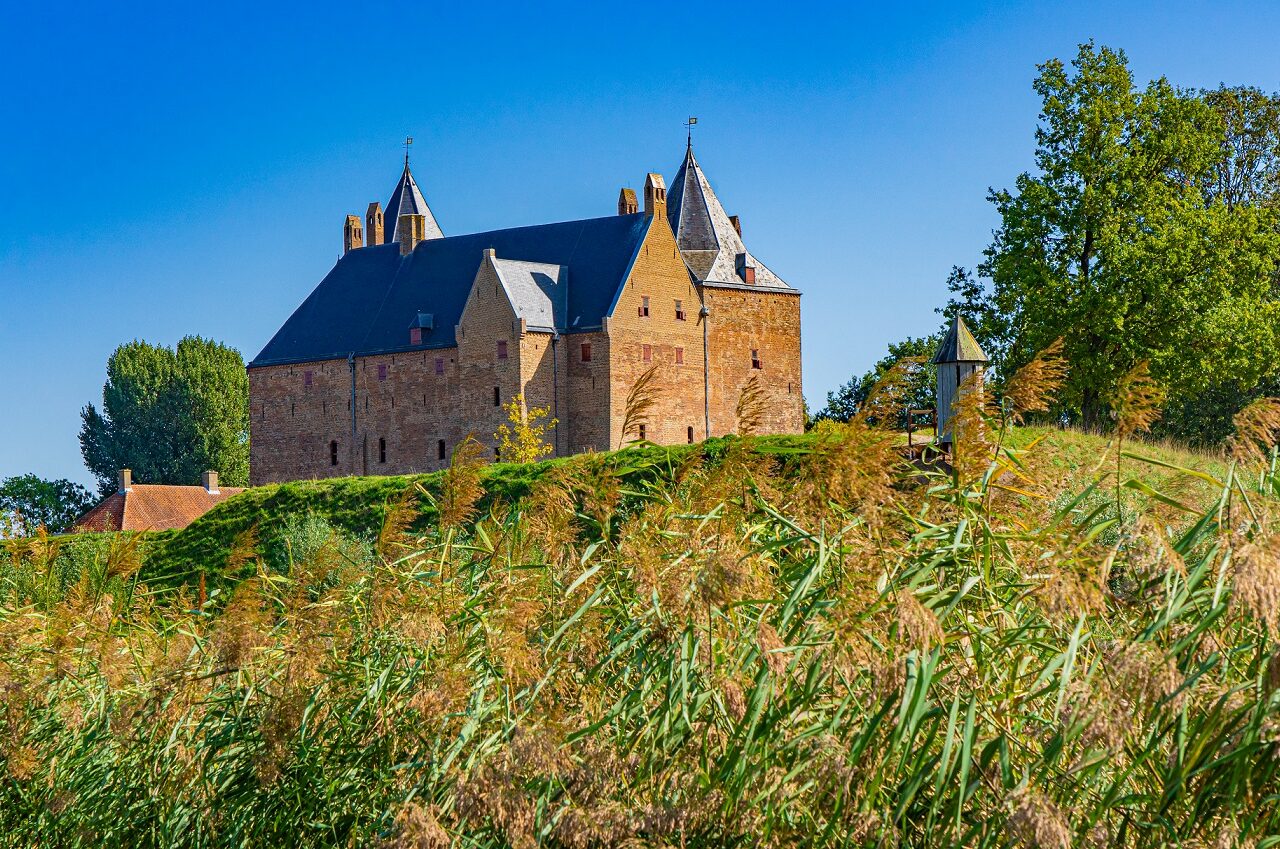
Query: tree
{"points": [[844, 403], [170, 414], [520, 437], [1116, 245], [28, 502]]}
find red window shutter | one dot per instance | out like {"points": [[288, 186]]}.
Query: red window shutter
{"points": [[439, 365], [307, 377], [647, 352], [502, 349], [415, 336], [679, 356], [586, 352], [382, 371]]}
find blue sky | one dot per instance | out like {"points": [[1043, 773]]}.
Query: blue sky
{"points": [[185, 168]]}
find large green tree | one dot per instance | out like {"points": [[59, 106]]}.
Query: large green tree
{"points": [[1131, 241], [169, 414], [28, 502]]}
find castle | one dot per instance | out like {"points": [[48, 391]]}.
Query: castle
{"points": [[415, 340]]}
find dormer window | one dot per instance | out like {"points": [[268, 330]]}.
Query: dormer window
{"points": [[415, 335]]}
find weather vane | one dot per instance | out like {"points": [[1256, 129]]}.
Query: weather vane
{"points": [[688, 126], [408, 140]]}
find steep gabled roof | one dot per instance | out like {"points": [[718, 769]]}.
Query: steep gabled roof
{"points": [[153, 507], [708, 241], [538, 291], [408, 200], [368, 300], [959, 346]]}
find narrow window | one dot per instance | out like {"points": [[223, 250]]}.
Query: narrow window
{"points": [[497, 399], [644, 306], [382, 450], [502, 349], [382, 371], [679, 310], [679, 356], [333, 453], [306, 377], [647, 353], [439, 365], [586, 352], [415, 335], [440, 449], [755, 359], [643, 430], [690, 434]]}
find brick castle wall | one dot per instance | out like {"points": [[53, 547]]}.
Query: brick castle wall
{"points": [[404, 408]]}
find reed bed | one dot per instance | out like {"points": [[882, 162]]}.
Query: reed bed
{"points": [[826, 647]]}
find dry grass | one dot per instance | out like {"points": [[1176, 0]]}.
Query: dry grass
{"points": [[813, 648]]}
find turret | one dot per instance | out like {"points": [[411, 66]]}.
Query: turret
{"points": [[352, 234], [959, 359]]}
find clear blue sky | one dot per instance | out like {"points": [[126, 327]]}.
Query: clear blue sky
{"points": [[185, 168]]}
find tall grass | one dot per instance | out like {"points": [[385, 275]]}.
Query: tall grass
{"points": [[825, 647]]}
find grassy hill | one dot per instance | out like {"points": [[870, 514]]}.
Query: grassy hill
{"points": [[781, 642]]}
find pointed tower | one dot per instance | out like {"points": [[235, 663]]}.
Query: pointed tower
{"points": [[959, 356], [408, 200], [710, 240]]}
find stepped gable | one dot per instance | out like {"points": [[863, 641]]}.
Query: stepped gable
{"points": [[407, 199], [371, 295], [709, 242]]}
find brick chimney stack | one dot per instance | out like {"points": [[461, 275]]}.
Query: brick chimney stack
{"points": [[352, 234], [410, 230], [210, 481], [627, 203], [125, 480], [373, 224], [655, 195]]}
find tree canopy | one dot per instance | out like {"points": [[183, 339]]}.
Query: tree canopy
{"points": [[170, 414], [917, 382], [28, 502], [1148, 232]]}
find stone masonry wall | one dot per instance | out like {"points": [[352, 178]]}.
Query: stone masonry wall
{"points": [[769, 323], [660, 275]]}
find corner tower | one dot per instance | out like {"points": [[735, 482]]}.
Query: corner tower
{"points": [[710, 240]]}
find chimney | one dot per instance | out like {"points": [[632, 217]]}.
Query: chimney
{"points": [[627, 203], [490, 253], [210, 481], [125, 480], [373, 224], [655, 195], [410, 230], [737, 225], [352, 234]]}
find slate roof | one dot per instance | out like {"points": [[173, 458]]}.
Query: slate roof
{"points": [[959, 346], [367, 301], [408, 200], [152, 507], [707, 238], [538, 291]]}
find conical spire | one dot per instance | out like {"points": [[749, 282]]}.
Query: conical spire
{"points": [[959, 346], [710, 243], [408, 200]]}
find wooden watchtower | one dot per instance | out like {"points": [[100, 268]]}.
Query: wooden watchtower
{"points": [[958, 357]]}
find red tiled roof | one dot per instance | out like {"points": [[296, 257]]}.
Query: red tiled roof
{"points": [[152, 507]]}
